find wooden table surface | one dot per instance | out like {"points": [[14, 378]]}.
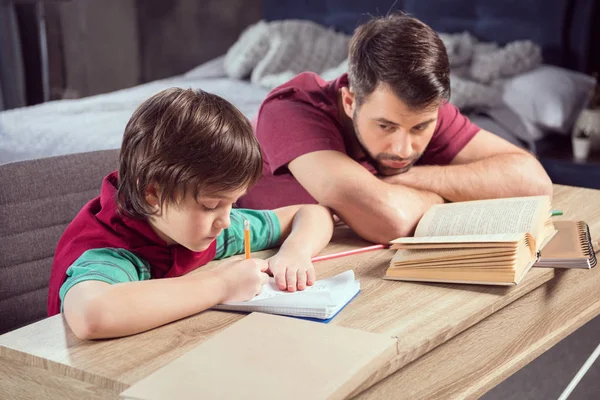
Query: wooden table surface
{"points": [[455, 340]]}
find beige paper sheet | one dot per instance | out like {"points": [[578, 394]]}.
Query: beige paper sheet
{"points": [[265, 357]]}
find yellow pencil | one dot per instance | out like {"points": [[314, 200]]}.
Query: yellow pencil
{"points": [[247, 238]]}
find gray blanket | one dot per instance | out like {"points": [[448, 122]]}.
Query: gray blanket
{"points": [[271, 53]]}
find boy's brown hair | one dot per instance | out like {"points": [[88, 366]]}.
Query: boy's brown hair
{"points": [[403, 53], [185, 141]]}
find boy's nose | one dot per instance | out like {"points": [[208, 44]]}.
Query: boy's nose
{"points": [[223, 222]]}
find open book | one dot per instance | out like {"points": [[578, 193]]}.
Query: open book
{"points": [[486, 241], [323, 300]]}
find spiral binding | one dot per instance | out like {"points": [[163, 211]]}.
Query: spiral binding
{"points": [[585, 241]]}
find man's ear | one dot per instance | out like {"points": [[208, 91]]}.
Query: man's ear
{"points": [[348, 101]]}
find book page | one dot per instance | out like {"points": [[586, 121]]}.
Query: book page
{"points": [[484, 217], [474, 238], [449, 256]]}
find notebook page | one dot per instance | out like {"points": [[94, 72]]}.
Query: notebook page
{"points": [[271, 292], [513, 215], [330, 289], [320, 311], [321, 300]]}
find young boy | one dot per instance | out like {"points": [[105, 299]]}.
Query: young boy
{"points": [[186, 158]]}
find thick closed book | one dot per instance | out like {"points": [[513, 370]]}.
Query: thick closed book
{"points": [[267, 357], [491, 242], [323, 300]]}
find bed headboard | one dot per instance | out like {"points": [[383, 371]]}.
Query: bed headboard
{"points": [[561, 27]]}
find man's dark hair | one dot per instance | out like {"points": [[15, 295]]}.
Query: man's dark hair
{"points": [[185, 141], [402, 53]]}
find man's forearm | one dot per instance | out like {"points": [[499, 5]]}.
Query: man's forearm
{"points": [[506, 175], [383, 212]]}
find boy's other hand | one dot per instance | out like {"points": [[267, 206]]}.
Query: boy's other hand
{"points": [[242, 279], [292, 270]]}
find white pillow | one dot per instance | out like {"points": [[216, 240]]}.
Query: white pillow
{"points": [[548, 97]]}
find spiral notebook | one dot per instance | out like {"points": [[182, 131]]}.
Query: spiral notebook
{"points": [[571, 247], [321, 301]]}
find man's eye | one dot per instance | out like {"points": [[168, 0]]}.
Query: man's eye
{"points": [[420, 127], [385, 127]]}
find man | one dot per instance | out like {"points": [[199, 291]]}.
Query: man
{"points": [[382, 144]]}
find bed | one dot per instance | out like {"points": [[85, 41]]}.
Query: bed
{"points": [[535, 105]]}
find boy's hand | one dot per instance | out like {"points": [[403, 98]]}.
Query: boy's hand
{"points": [[292, 270], [242, 279]]}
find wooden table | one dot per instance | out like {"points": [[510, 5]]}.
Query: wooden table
{"points": [[456, 341]]}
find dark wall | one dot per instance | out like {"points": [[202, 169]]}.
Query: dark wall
{"points": [[178, 35], [98, 46]]}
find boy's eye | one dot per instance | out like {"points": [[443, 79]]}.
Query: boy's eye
{"points": [[420, 127], [205, 208]]}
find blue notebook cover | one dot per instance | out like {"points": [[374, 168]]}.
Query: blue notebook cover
{"points": [[325, 321]]}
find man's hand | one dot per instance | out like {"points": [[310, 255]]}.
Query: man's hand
{"points": [[488, 167], [405, 178]]}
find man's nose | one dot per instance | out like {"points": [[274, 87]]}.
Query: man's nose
{"points": [[402, 145]]}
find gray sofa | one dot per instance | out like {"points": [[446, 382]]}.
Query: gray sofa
{"points": [[38, 198]]}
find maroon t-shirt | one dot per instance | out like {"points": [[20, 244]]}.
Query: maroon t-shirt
{"points": [[301, 116], [99, 225]]}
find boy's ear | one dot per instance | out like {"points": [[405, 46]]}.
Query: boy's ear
{"points": [[152, 197]]}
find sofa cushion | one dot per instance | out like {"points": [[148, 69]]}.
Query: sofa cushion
{"points": [[38, 199]]}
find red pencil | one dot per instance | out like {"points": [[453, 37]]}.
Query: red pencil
{"points": [[349, 252]]}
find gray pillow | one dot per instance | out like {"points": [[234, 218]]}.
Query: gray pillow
{"points": [[548, 97]]}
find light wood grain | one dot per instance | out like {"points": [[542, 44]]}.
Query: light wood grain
{"points": [[20, 381], [112, 364], [423, 316], [475, 361]]}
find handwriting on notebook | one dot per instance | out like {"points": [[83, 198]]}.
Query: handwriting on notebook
{"points": [[270, 290]]}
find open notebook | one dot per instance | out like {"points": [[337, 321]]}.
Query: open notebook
{"points": [[323, 300]]}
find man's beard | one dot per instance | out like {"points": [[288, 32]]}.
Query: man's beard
{"points": [[376, 160]]}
